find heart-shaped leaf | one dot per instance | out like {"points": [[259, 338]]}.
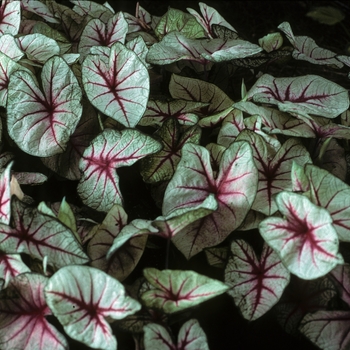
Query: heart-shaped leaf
{"points": [[191, 337], [41, 123], [99, 185], [256, 285], [22, 316], [97, 33], [175, 290], [10, 17], [309, 94], [305, 239], [81, 297], [93, 9], [119, 86], [30, 235], [234, 188]]}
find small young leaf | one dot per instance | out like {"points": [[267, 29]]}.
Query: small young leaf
{"points": [[326, 15], [81, 297], [175, 290]]}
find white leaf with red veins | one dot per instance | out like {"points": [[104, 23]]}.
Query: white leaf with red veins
{"points": [[191, 337], [305, 239], [41, 123], [209, 17], [118, 86], [11, 265], [234, 189], [341, 276], [327, 191], [274, 168], [99, 185], [256, 285], [97, 33], [8, 66], [81, 297], [10, 17], [5, 195], [306, 48], [309, 94], [38, 47], [40, 235], [91, 8], [9, 47], [327, 329], [22, 316], [175, 47], [39, 9], [176, 290]]}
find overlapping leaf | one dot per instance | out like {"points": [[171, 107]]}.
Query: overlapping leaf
{"points": [[5, 195], [175, 47], [97, 33], [93, 9], [305, 239], [99, 185], [22, 317], [327, 191], [40, 235], [209, 18], [309, 94], [191, 337], [119, 86], [256, 285], [161, 165], [306, 49], [274, 168], [11, 265], [234, 188], [40, 9], [175, 290], [41, 122], [81, 297]]}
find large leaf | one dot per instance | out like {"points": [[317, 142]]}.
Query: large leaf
{"points": [[92, 9], [191, 337], [175, 290], [305, 239], [99, 185], [97, 33], [81, 297], [256, 285], [40, 235], [175, 47], [119, 86], [306, 49], [10, 17], [40, 9], [22, 316], [41, 123], [309, 94], [234, 188]]}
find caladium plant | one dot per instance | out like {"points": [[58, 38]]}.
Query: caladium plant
{"points": [[152, 166]]}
